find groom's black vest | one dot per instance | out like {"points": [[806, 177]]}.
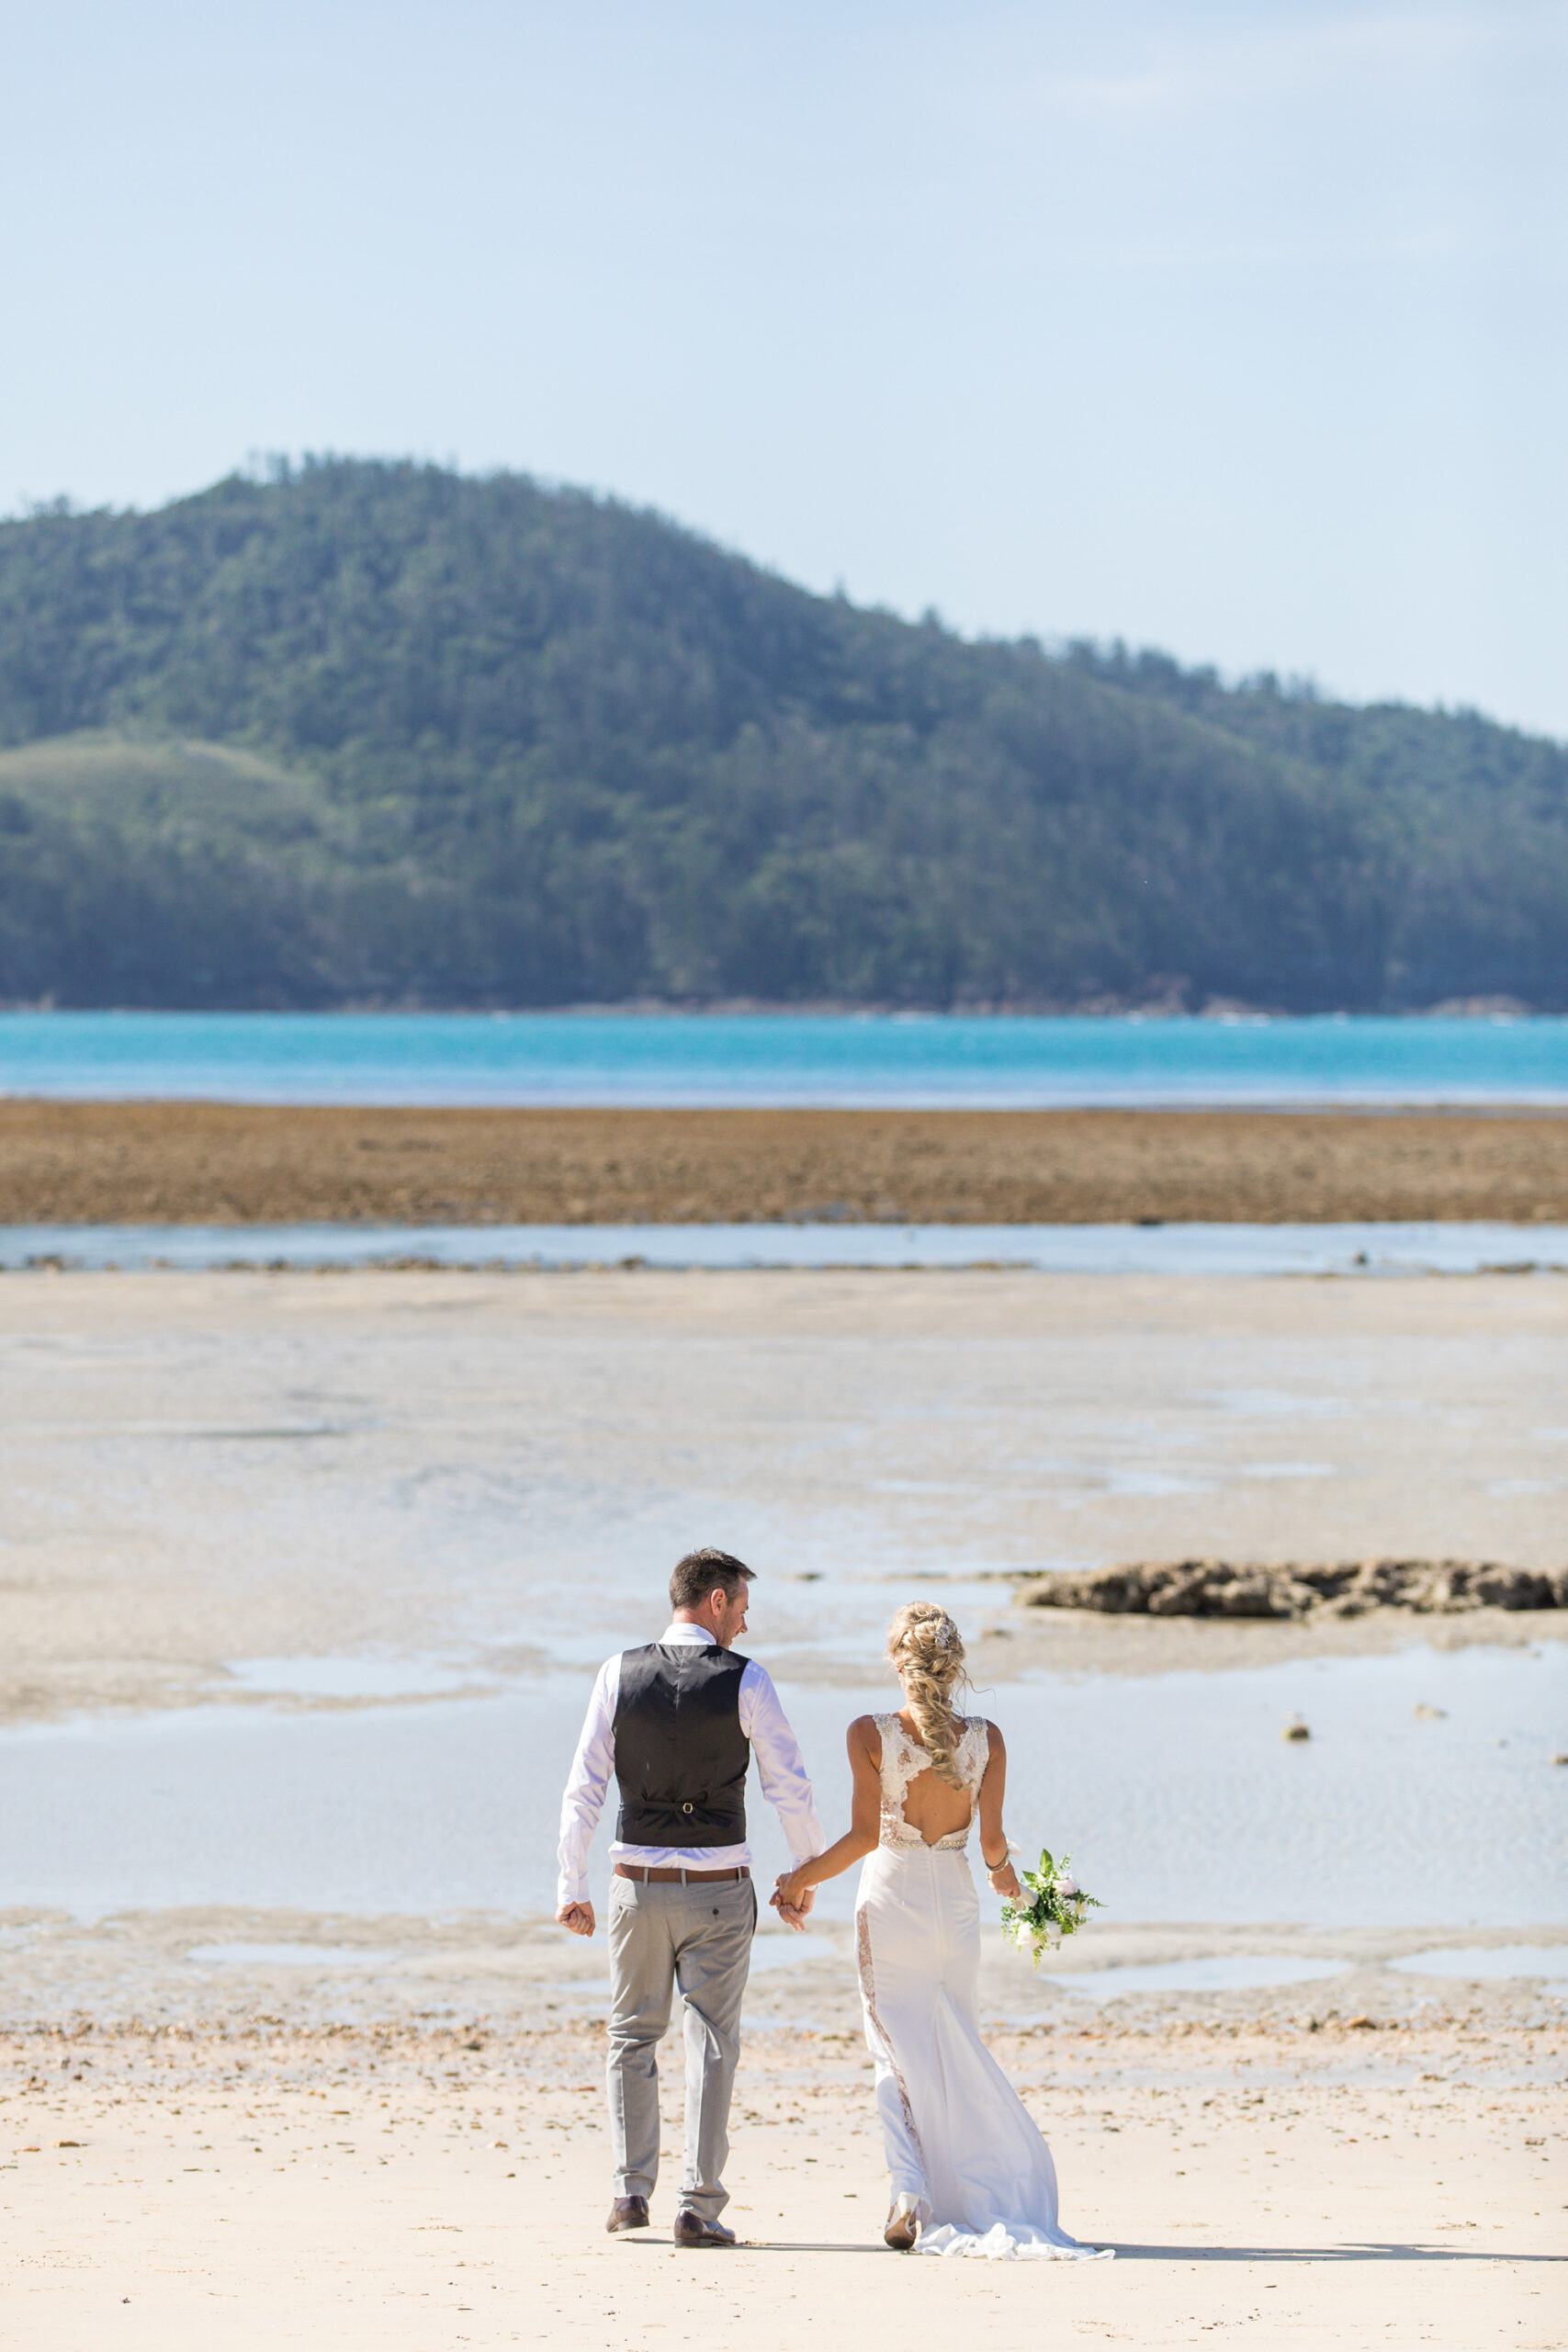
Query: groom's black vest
{"points": [[681, 1755]]}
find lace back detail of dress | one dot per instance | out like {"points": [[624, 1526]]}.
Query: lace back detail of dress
{"points": [[903, 1761]]}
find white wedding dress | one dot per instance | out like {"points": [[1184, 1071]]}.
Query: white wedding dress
{"points": [[963, 2153]]}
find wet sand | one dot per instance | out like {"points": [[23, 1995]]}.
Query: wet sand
{"points": [[199, 1468], [207, 1163], [375, 2187], [226, 1966]]}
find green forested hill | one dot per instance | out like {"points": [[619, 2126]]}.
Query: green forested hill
{"points": [[372, 731]]}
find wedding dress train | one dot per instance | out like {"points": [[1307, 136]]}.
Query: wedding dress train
{"points": [[964, 2155]]}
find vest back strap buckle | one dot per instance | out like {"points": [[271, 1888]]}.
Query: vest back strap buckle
{"points": [[677, 1877]]}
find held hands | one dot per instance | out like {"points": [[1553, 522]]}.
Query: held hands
{"points": [[791, 1900], [578, 1917]]}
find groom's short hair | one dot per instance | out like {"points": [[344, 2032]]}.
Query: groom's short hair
{"points": [[701, 1573]]}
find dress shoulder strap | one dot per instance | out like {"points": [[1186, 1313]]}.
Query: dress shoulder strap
{"points": [[902, 1759]]}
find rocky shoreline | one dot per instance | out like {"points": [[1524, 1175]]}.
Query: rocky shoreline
{"points": [[1340, 1588]]}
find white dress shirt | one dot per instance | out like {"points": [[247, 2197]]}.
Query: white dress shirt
{"points": [[779, 1767]]}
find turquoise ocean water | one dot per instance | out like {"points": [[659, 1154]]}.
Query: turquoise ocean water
{"points": [[768, 1059]]}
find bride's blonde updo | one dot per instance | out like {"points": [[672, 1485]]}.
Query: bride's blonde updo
{"points": [[928, 1656]]}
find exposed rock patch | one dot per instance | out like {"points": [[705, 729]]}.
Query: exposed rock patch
{"points": [[1342, 1588]]}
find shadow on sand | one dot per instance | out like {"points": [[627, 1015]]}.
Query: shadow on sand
{"points": [[1368, 2250]]}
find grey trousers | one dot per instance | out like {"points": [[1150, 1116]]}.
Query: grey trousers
{"points": [[698, 1937]]}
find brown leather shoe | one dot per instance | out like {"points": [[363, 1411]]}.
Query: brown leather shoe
{"points": [[692, 2230], [628, 2213], [902, 2231]]}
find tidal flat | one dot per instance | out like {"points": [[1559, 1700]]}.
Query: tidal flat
{"points": [[302, 1583], [304, 1579], [442, 1480]]}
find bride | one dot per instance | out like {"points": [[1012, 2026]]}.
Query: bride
{"points": [[971, 2173]]}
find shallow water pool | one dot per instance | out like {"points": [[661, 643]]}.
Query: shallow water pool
{"points": [[1177, 1795]]}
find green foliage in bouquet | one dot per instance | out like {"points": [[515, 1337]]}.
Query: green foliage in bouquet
{"points": [[1055, 1905]]}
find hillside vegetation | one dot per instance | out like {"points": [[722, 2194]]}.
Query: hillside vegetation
{"points": [[378, 732]]}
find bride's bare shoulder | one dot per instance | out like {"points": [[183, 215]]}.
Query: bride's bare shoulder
{"points": [[865, 1737]]}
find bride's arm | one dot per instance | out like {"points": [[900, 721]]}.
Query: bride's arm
{"points": [[866, 1819], [993, 1837]]}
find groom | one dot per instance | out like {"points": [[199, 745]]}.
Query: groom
{"points": [[676, 1723]]}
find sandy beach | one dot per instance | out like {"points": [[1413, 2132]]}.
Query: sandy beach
{"points": [[215, 1163], [277, 1549], [264, 2186]]}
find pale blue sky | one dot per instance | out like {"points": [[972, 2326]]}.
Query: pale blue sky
{"points": [[1232, 326]]}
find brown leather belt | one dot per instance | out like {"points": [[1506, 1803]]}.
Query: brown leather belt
{"points": [[677, 1878]]}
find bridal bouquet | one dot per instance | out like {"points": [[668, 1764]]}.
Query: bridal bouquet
{"points": [[1055, 1905]]}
